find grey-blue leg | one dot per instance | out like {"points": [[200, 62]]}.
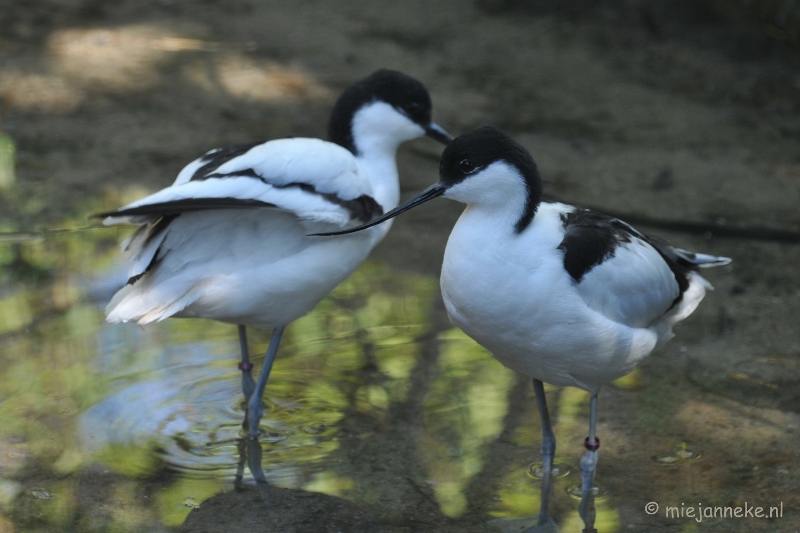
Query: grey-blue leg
{"points": [[588, 466], [248, 385], [545, 523], [255, 408]]}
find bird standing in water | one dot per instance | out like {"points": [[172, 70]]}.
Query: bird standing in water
{"points": [[229, 239], [562, 294]]}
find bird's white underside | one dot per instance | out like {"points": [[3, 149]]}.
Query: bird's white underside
{"points": [[240, 266]]}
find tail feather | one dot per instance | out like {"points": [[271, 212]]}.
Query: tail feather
{"points": [[142, 304], [134, 240], [113, 313], [142, 247], [691, 298], [160, 313], [127, 219], [701, 260]]}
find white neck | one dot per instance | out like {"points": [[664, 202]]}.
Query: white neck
{"points": [[381, 170], [497, 193], [378, 129]]}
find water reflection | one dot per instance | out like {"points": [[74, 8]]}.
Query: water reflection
{"points": [[7, 156], [77, 392], [127, 428], [464, 411]]}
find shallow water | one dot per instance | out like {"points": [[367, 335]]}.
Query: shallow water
{"points": [[129, 428], [78, 393]]}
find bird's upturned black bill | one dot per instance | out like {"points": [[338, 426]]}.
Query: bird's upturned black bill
{"points": [[437, 133], [430, 193]]}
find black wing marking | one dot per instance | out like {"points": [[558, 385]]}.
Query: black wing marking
{"points": [[592, 238], [154, 231], [680, 262], [216, 158], [177, 207], [364, 208], [679, 265]]}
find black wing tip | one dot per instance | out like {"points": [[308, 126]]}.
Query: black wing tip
{"points": [[177, 207], [430, 193], [213, 159], [137, 277], [104, 214]]}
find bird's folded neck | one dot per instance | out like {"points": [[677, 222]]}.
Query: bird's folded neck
{"points": [[381, 171]]}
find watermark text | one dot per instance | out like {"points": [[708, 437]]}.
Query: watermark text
{"points": [[699, 511]]}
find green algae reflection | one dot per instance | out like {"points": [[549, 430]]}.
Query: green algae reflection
{"points": [[87, 400], [464, 411]]}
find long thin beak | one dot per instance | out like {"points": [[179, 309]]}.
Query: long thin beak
{"points": [[438, 133], [430, 193]]}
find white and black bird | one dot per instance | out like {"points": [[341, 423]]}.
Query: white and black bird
{"points": [[229, 239], [562, 294]]}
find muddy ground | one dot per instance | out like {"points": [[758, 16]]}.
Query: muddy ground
{"points": [[677, 112]]}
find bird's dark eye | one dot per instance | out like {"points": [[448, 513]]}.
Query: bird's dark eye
{"points": [[411, 108], [466, 166]]}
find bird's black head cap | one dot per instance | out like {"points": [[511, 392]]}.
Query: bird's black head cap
{"points": [[474, 151], [401, 91]]}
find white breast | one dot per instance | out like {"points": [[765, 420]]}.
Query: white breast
{"points": [[511, 294]]}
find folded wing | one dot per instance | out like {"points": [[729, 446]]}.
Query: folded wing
{"points": [[316, 181], [629, 277]]}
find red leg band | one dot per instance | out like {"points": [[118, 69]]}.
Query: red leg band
{"points": [[592, 446]]}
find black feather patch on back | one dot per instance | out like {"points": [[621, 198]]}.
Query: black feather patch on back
{"points": [[364, 208], [217, 158], [679, 266], [590, 239]]}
